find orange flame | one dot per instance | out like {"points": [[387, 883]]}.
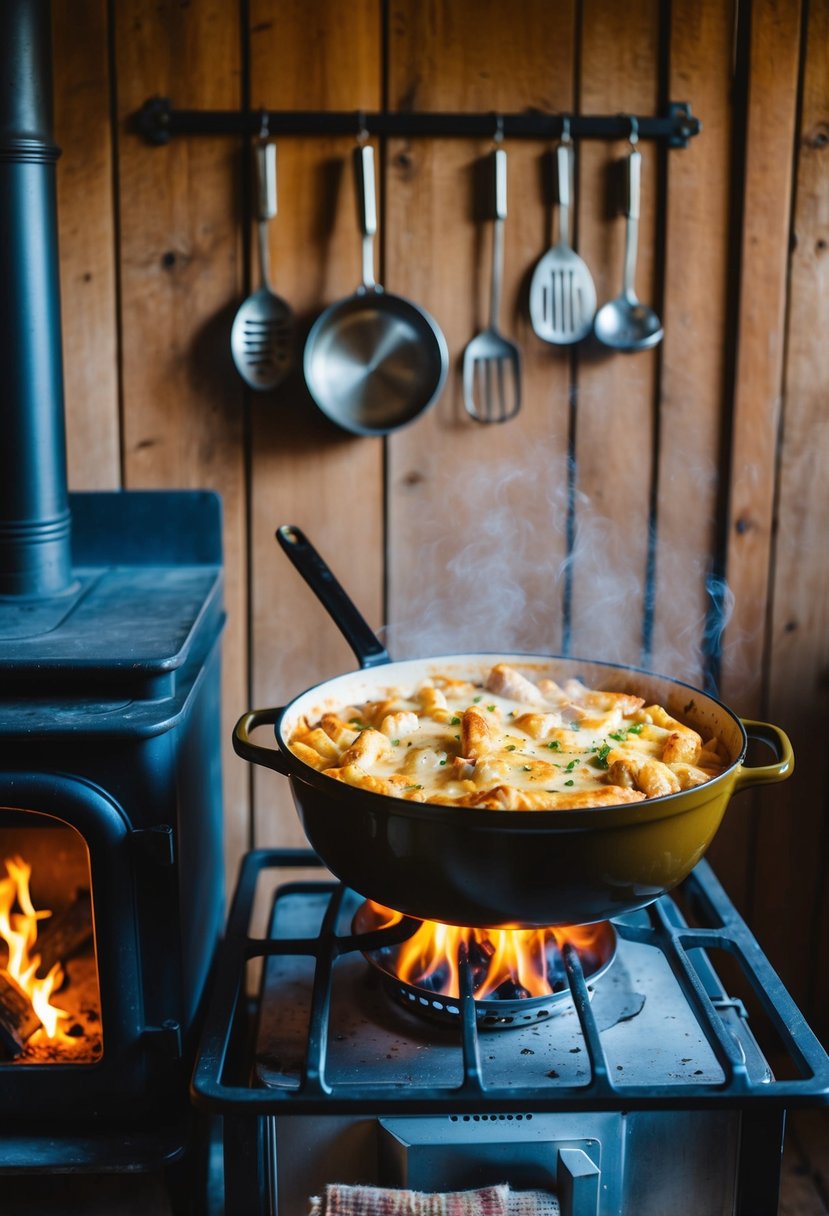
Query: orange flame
{"points": [[19, 931], [429, 958]]}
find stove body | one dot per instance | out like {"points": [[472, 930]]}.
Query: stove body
{"points": [[644, 1093], [110, 781]]}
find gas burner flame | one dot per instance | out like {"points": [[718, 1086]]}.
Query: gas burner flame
{"points": [[505, 963], [18, 929]]}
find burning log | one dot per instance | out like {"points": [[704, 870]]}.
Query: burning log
{"points": [[62, 936], [18, 1020]]}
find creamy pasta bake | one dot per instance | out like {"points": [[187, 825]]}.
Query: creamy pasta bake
{"points": [[509, 743]]}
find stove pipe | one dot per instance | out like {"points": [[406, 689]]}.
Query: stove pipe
{"points": [[34, 511]]}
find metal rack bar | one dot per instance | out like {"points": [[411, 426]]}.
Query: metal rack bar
{"points": [[158, 121]]}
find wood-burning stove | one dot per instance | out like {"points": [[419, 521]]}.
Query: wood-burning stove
{"points": [[653, 1090], [110, 787], [111, 610]]}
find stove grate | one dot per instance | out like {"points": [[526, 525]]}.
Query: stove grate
{"points": [[225, 1082]]}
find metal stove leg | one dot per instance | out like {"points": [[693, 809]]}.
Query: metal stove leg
{"points": [[246, 1161], [761, 1159]]}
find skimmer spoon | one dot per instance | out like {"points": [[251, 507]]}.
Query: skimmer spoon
{"points": [[261, 339], [491, 363], [625, 323], [562, 294]]}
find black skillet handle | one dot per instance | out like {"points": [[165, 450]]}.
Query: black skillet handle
{"points": [[367, 647]]}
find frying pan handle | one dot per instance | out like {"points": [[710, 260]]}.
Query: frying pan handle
{"points": [[244, 746], [762, 774], [367, 647]]}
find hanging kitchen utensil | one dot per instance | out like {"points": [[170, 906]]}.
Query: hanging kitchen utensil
{"points": [[625, 323], [491, 363], [261, 338], [374, 360], [562, 294]]}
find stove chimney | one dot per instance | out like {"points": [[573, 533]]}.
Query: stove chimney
{"points": [[34, 510]]}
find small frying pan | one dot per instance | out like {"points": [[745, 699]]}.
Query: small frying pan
{"points": [[373, 361]]}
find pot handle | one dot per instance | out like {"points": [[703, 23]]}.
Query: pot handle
{"points": [[762, 774], [243, 745], [355, 629]]}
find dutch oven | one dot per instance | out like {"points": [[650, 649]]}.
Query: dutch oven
{"points": [[477, 867]]}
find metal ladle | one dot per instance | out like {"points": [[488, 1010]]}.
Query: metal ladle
{"points": [[624, 322]]}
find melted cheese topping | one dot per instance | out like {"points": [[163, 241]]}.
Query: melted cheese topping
{"points": [[509, 744]]}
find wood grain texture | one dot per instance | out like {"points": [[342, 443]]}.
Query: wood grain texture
{"points": [[615, 392], [302, 469], [693, 355], [770, 120], [180, 281], [86, 219], [476, 513], [791, 868]]}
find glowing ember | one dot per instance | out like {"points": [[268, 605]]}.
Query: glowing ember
{"points": [[18, 929], [511, 963]]}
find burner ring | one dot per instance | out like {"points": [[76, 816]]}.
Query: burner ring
{"points": [[499, 1013]]}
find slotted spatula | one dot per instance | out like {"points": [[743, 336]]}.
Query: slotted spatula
{"points": [[261, 338], [491, 363], [562, 294]]}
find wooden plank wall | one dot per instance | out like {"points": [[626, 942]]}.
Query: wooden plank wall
{"points": [[631, 493]]}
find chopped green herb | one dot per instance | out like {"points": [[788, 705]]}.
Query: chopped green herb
{"points": [[454, 720], [477, 699], [618, 735], [554, 745], [570, 782], [510, 747], [636, 728], [412, 787], [491, 708], [395, 742], [601, 755], [568, 768], [442, 763]]}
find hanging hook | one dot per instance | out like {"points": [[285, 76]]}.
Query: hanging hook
{"points": [[362, 128], [566, 137], [264, 124], [499, 129], [634, 130]]}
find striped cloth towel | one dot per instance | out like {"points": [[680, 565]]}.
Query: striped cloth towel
{"points": [[339, 1200]]}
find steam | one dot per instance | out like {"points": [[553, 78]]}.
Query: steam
{"points": [[546, 569]]}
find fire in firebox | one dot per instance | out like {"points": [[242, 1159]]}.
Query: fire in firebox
{"points": [[49, 1008]]}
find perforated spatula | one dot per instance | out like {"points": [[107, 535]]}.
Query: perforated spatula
{"points": [[261, 338], [562, 294]]}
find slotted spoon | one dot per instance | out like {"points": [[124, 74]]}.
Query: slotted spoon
{"points": [[562, 293], [261, 339], [491, 363]]}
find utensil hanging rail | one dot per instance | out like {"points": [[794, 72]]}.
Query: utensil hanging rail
{"points": [[158, 122]]}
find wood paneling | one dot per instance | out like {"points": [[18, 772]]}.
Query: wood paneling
{"points": [[476, 512], [790, 874], [770, 122], [180, 273], [303, 471], [703, 456], [86, 218], [614, 394], [693, 356]]}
